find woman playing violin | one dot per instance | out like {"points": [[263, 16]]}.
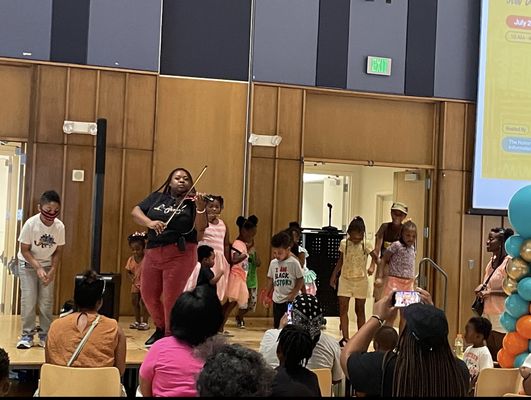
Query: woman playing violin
{"points": [[173, 218]]}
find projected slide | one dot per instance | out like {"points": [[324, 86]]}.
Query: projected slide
{"points": [[503, 130]]}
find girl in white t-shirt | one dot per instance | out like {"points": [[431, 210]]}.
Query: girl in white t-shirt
{"points": [[41, 246], [477, 356]]}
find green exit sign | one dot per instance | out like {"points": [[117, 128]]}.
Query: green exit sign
{"points": [[378, 65]]}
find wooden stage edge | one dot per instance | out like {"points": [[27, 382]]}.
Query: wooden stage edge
{"points": [[250, 336]]}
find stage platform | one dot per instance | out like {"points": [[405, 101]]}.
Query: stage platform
{"points": [[33, 358]]}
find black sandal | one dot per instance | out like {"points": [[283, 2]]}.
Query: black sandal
{"points": [[342, 342]]}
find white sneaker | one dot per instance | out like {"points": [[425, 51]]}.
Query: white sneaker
{"points": [[25, 342], [42, 341]]}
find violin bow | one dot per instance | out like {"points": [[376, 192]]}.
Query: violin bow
{"points": [[178, 209]]}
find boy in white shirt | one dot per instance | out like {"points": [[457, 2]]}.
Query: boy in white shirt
{"points": [[477, 356], [41, 246], [284, 277]]}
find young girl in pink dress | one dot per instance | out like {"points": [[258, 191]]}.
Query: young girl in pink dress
{"points": [[216, 235], [237, 292]]}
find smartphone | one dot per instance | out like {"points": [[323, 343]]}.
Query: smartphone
{"points": [[290, 319], [404, 298]]}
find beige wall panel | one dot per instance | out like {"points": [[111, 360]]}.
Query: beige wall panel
{"points": [[470, 277], [51, 104], [261, 204], [359, 128], [264, 117], [449, 239], [453, 136], [111, 105], [202, 123], [110, 256], [290, 123], [15, 103], [77, 205], [137, 168], [82, 102], [140, 111], [288, 194]]}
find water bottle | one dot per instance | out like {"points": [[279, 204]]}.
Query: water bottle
{"points": [[459, 346]]}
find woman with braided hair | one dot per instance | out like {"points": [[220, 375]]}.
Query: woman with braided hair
{"points": [[295, 347], [423, 363]]}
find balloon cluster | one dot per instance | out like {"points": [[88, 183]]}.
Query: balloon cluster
{"points": [[517, 284]]}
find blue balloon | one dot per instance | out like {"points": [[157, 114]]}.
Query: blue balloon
{"points": [[515, 306], [509, 323], [513, 244], [519, 359], [520, 211], [524, 289]]}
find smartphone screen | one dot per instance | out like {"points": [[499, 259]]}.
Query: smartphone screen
{"points": [[405, 298], [290, 306]]}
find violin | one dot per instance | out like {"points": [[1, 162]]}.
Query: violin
{"points": [[190, 195]]}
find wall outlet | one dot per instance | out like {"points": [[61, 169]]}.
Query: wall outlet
{"points": [[78, 175]]}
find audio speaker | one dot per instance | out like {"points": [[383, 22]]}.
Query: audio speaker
{"points": [[111, 295]]}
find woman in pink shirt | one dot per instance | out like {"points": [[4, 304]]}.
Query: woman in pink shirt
{"points": [[493, 294], [171, 366]]}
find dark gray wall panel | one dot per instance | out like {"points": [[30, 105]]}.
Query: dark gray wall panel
{"points": [[206, 38], [70, 23], [124, 33], [285, 41], [457, 49], [25, 27], [377, 28]]}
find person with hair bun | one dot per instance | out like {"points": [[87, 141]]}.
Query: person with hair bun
{"points": [[493, 293], [137, 244], [106, 345], [350, 276], [237, 292]]}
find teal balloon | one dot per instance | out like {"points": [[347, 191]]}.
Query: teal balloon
{"points": [[519, 211], [515, 306], [513, 244], [519, 359], [509, 324], [524, 289]]}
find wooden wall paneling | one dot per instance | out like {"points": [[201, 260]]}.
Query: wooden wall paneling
{"points": [[453, 136], [203, 123], [262, 186], [264, 117], [140, 111], [51, 104], [15, 87], [358, 128], [46, 174], [82, 102], [77, 208], [287, 189], [290, 123], [470, 135], [111, 105], [449, 234], [111, 229], [137, 175]]}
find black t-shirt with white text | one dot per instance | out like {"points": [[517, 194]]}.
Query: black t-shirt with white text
{"points": [[159, 207]]}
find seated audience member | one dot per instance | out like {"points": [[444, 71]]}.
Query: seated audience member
{"points": [[235, 371], [477, 356], [295, 346], [385, 339], [4, 373], [106, 345], [423, 363], [171, 366], [307, 313]]}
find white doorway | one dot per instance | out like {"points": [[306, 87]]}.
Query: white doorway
{"points": [[12, 172]]}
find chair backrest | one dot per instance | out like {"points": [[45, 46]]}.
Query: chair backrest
{"points": [[324, 375], [57, 380], [495, 382]]}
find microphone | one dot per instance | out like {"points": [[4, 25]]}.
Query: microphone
{"points": [[329, 205]]}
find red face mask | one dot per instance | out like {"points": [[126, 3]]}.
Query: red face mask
{"points": [[49, 216]]}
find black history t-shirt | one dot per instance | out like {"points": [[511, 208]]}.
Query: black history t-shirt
{"points": [[159, 207]]}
